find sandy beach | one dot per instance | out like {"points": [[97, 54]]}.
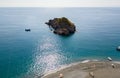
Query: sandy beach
{"points": [[100, 69]]}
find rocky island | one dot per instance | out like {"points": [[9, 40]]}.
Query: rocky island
{"points": [[61, 26]]}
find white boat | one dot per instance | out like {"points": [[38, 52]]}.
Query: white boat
{"points": [[118, 48], [109, 58]]}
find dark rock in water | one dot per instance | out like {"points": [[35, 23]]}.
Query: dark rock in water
{"points": [[118, 48], [61, 26], [27, 30]]}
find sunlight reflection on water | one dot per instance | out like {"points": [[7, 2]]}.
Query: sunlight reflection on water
{"points": [[47, 57]]}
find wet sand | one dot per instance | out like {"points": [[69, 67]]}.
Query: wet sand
{"points": [[83, 70]]}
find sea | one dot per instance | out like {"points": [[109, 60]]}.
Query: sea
{"points": [[33, 54]]}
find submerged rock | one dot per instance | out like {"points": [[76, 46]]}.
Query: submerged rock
{"points": [[61, 26]]}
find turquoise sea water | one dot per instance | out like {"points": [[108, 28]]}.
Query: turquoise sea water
{"points": [[30, 54]]}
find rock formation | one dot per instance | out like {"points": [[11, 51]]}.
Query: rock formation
{"points": [[61, 26]]}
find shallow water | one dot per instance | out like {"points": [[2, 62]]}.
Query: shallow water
{"points": [[30, 54]]}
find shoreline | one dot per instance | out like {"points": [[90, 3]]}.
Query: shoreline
{"points": [[66, 66], [83, 68]]}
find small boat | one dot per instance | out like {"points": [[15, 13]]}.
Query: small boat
{"points": [[27, 30], [118, 48], [109, 58]]}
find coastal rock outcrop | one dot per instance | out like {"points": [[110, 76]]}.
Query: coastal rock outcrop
{"points": [[61, 26]]}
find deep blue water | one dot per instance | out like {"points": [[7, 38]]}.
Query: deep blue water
{"points": [[30, 54]]}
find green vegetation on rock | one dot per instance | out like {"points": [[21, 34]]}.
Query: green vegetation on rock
{"points": [[65, 20]]}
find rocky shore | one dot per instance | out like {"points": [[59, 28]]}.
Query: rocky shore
{"points": [[61, 26]]}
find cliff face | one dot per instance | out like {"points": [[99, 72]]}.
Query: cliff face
{"points": [[61, 26]]}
